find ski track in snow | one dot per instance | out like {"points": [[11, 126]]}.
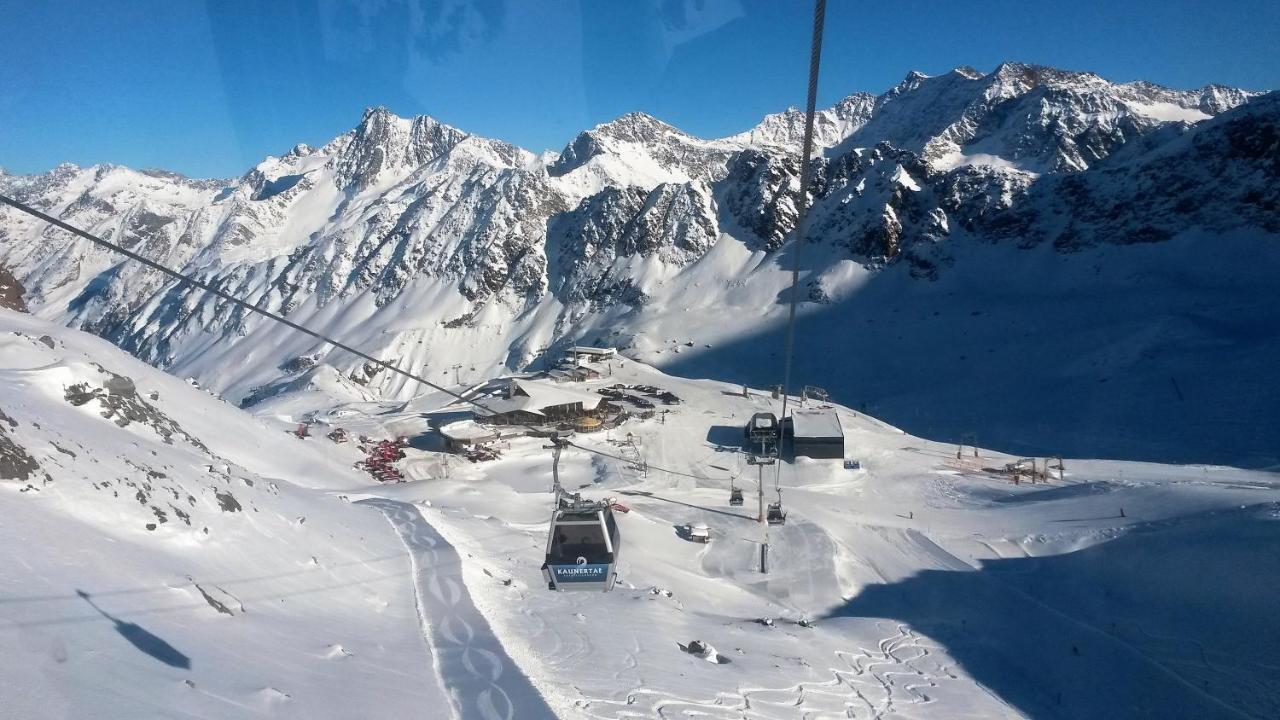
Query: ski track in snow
{"points": [[899, 672], [473, 666]]}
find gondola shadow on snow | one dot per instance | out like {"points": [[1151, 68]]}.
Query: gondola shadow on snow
{"points": [[1172, 620], [142, 639]]}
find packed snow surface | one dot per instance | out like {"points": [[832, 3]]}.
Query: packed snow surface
{"points": [[924, 585]]}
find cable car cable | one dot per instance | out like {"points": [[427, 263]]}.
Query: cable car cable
{"points": [[802, 216], [802, 200]]}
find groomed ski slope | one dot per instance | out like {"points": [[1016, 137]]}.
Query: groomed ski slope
{"points": [[475, 670], [936, 590]]}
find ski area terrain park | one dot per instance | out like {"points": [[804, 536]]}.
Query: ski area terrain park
{"points": [[168, 554]]}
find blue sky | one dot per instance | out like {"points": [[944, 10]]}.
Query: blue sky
{"points": [[208, 89]]}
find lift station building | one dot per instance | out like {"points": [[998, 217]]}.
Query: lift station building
{"points": [[580, 353], [816, 434], [762, 433]]}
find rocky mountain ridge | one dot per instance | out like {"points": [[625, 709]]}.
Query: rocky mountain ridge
{"points": [[418, 238]]}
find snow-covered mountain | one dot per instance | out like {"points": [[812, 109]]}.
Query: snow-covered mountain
{"points": [[426, 244]]}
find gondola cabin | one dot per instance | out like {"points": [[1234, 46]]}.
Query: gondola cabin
{"points": [[776, 515], [582, 547], [735, 497]]}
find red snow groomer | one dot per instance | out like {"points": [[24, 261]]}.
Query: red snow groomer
{"points": [[382, 458]]}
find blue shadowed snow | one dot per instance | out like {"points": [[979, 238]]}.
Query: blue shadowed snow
{"points": [[142, 639], [1173, 620]]}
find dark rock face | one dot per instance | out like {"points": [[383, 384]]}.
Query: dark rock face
{"points": [[227, 501], [119, 402], [673, 223], [11, 291], [15, 462], [759, 194]]}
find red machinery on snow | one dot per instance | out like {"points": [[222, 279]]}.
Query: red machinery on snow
{"points": [[382, 458]]}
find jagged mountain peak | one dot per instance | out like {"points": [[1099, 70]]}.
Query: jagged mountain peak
{"points": [[831, 125], [1026, 116], [854, 100], [299, 150], [639, 149], [912, 81], [378, 113], [1012, 79], [377, 121], [384, 141], [634, 120], [1016, 76], [635, 127]]}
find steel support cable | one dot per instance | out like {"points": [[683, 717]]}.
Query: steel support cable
{"points": [[283, 320], [802, 213]]}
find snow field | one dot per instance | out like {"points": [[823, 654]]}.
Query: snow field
{"points": [[935, 587]]}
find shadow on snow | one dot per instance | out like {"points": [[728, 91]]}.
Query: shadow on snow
{"points": [[142, 639], [1107, 353], [1172, 620]]}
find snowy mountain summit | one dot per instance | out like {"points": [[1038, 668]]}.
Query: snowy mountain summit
{"points": [[424, 243]]}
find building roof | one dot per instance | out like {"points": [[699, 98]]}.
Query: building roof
{"points": [[584, 350], [467, 430], [502, 406], [816, 424], [568, 366], [533, 397]]}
